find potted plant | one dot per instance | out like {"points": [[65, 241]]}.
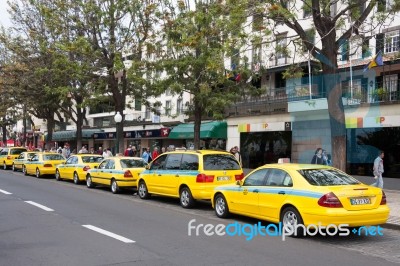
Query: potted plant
{"points": [[379, 94]]}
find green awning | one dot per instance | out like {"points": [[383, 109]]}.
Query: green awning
{"points": [[213, 130], [69, 135]]}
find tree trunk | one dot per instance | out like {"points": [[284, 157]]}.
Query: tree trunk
{"points": [[79, 122], [335, 108], [50, 126], [197, 124]]}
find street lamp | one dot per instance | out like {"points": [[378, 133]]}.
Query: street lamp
{"points": [[117, 119]]}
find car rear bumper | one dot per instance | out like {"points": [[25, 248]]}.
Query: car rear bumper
{"points": [[352, 218], [127, 183], [47, 171]]}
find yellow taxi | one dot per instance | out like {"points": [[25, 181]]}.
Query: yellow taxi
{"points": [[7, 155], [43, 163], [19, 162], [302, 194], [188, 175], [116, 172], [77, 167]]}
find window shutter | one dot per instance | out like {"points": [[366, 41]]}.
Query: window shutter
{"points": [[380, 43], [345, 51]]}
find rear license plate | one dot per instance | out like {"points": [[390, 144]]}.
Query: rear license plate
{"points": [[360, 201], [223, 178]]}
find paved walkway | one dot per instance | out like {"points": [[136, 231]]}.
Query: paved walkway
{"points": [[393, 200]]}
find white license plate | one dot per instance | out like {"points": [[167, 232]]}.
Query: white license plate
{"points": [[223, 178], [360, 201]]}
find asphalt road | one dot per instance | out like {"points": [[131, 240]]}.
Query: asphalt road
{"points": [[46, 222]]}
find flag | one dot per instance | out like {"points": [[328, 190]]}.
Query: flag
{"points": [[377, 60]]}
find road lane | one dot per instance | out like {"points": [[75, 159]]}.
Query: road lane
{"points": [[159, 227]]}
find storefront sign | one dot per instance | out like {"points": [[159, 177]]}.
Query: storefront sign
{"points": [[260, 127], [136, 134], [372, 122]]}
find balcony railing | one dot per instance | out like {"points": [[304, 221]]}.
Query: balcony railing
{"points": [[384, 92]]}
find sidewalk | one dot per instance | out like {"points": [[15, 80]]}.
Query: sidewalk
{"points": [[393, 201]]}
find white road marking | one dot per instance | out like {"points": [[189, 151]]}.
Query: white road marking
{"points": [[39, 206], [107, 233], [5, 192]]}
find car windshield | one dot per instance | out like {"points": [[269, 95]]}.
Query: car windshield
{"points": [[327, 177], [131, 163], [16, 151], [220, 162], [50, 157], [92, 159]]}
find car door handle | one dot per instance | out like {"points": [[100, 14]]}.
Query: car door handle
{"points": [[159, 174], [282, 192], [177, 175]]}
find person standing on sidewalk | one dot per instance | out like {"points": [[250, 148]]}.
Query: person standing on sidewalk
{"points": [[378, 170]]}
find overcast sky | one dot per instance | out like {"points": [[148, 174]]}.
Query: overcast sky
{"points": [[4, 16]]}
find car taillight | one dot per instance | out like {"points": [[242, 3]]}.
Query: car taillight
{"points": [[128, 173], [330, 200], [87, 167], [383, 200], [239, 177], [9, 157], [202, 178], [47, 165]]}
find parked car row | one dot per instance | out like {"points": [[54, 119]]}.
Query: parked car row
{"points": [[286, 193]]}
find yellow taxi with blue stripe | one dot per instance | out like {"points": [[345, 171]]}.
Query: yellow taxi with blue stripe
{"points": [[77, 167], [189, 175], [19, 162], [43, 163], [116, 172], [302, 194], [9, 154]]}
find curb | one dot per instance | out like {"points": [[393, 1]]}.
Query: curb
{"points": [[392, 226]]}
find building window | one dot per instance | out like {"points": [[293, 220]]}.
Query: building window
{"points": [[392, 42], [256, 53], [138, 104], [147, 113], [168, 108], [168, 92], [257, 22], [179, 106], [280, 46]]}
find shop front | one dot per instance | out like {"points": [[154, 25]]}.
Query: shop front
{"points": [[213, 135]]}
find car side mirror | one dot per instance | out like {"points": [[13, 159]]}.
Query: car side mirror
{"points": [[239, 183]]}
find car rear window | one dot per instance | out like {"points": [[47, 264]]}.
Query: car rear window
{"points": [[220, 162], [50, 157], [17, 151], [4, 152], [92, 159], [131, 163], [327, 177]]}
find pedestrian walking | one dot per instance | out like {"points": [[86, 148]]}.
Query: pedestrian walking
{"points": [[378, 170], [146, 156], [317, 158]]}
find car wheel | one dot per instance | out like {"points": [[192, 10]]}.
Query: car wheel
{"points": [[13, 168], [89, 183], [186, 198], [58, 176], [220, 206], [142, 190], [76, 178], [291, 221], [37, 173], [24, 170], [114, 186], [4, 166]]}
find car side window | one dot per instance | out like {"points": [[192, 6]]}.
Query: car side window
{"points": [[280, 178], [173, 162], [257, 178], [35, 158], [70, 160], [111, 164], [159, 163], [4, 152], [103, 164], [21, 156], [190, 162]]}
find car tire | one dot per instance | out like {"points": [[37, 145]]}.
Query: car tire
{"points": [[24, 170], [142, 190], [221, 206], [89, 182], [114, 186], [291, 217], [13, 168], [58, 176], [76, 178], [185, 197], [4, 166], [37, 173]]}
